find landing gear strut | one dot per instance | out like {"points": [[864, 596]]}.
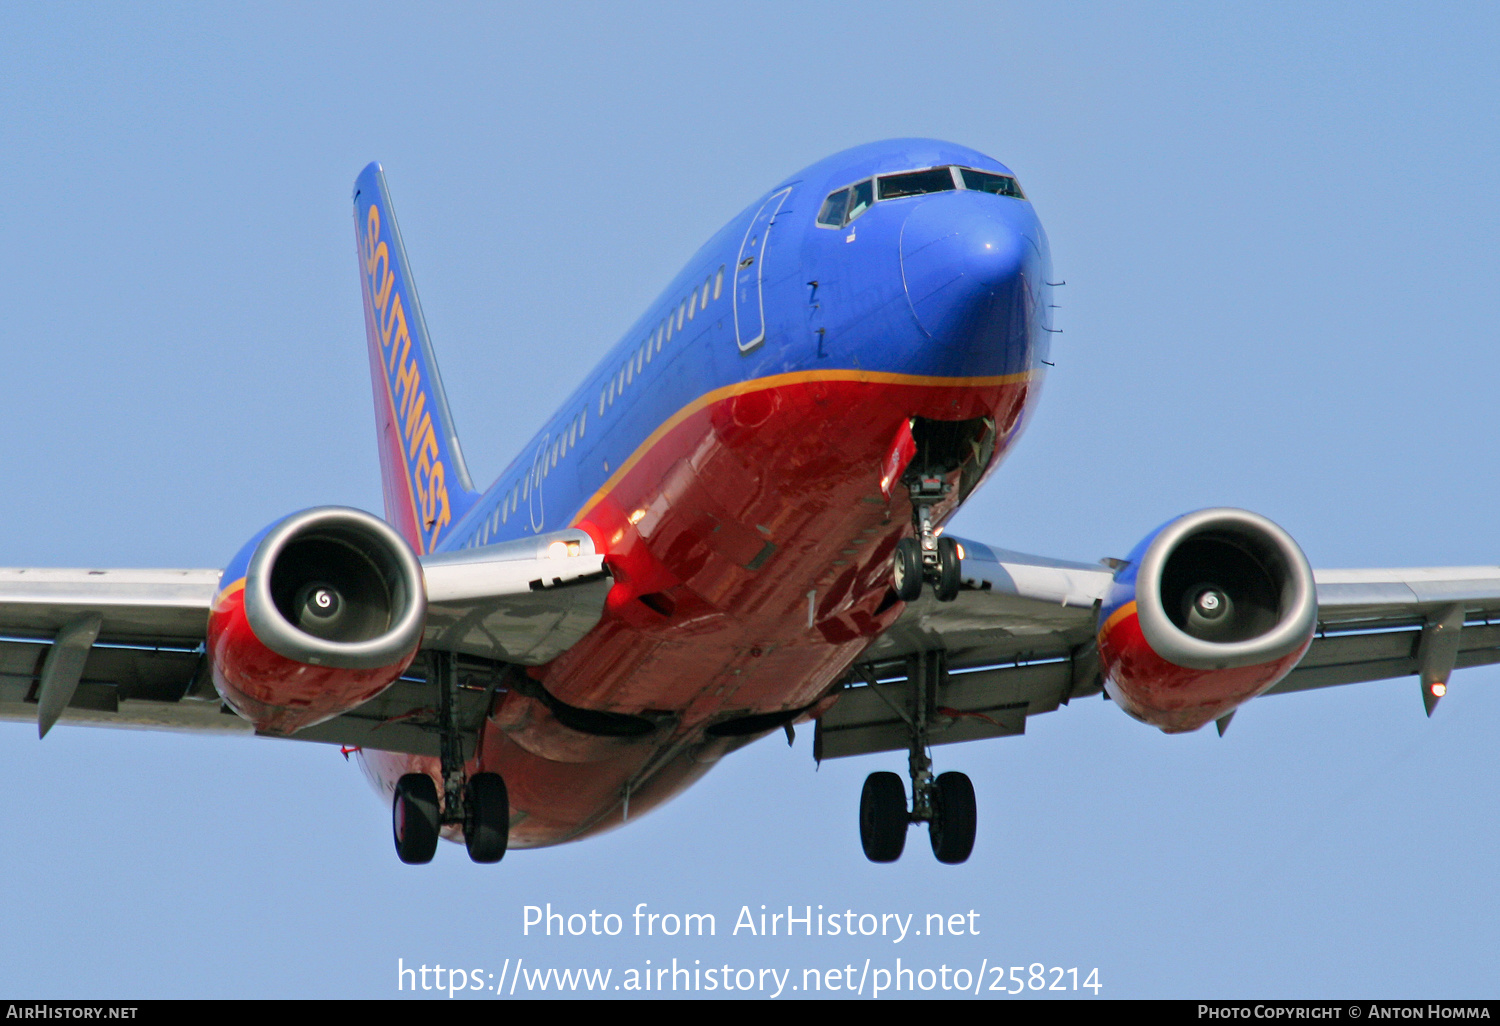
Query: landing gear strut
{"points": [[479, 804], [945, 803], [927, 556]]}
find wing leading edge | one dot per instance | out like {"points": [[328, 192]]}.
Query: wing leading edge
{"points": [[1020, 640], [144, 664]]}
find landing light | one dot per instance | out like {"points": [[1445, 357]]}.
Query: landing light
{"points": [[637, 516], [559, 550], [1439, 689]]}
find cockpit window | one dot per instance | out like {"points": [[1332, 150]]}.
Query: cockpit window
{"points": [[860, 198], [846, 204], [915, 183], [984, 181], [834, 206]]}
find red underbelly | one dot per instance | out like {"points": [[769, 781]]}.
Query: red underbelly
{"points": [[751, 545]]}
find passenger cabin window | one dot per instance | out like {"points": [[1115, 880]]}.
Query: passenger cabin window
{"points": [[916, 183], [718, 283], [984, 181], [832, 214]]}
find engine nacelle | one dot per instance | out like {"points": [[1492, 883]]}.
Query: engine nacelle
{"points": [[1211, 610], [318, 613]]}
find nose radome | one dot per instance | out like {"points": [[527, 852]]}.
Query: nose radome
{"points": [[962, 260]]}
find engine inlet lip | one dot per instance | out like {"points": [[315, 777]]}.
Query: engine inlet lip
{"points": [[280, 636], [1299, 617]]}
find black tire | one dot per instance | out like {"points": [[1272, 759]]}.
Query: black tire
{"points": [[954, 818], [882, 817], [414, 819], [906, 574], [950, 570], [487, 818]]}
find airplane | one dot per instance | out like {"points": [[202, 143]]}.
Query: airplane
{"points": [[735, 525]]}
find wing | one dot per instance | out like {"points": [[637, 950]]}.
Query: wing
{"points": [[1376, 624], [125, 648], [1017, 641], [1020, 640]]}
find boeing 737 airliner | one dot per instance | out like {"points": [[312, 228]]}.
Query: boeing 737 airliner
{"points": [[733, 525]]}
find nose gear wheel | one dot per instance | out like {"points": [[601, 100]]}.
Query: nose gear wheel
{"points": [[926, 556]]}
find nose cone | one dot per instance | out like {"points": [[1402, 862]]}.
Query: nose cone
{"points": [[964, 259]]}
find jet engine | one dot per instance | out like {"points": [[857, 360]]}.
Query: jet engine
{"points": [[317, 614], [1210, 610]]}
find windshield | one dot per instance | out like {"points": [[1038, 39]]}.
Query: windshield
{"points": [[847, 203], [915, 183], [984, 181]]}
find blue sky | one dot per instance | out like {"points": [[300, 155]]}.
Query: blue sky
{"points": [[1278, 226]]}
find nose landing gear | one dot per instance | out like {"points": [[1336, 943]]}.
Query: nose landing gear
{"points": [[945, 803], [927, 556]]}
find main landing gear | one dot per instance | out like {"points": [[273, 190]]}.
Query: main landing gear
{"points": [[945, 803], [479, 804], [928, 556]]}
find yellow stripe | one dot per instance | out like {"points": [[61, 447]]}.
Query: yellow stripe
{"points": [[226, 591], [1128, 609], [779, 381]]}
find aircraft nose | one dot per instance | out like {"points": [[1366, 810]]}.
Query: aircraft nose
{"points": [[963, 255]]}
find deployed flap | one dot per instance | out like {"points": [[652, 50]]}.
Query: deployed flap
{"points": [[520, 602], [142, 669], [525, 601], [1026, 611], [1020, 636]]}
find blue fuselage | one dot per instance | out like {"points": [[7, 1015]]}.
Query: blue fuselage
{"points": [[949, 284]]}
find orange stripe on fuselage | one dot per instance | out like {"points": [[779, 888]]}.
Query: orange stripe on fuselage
{"points": [[778, 381]]}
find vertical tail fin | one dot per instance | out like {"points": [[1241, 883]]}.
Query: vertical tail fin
{"points": [[427, 487]]}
